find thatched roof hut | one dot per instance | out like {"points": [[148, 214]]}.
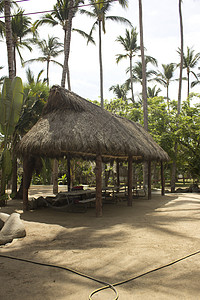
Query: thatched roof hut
{"points": [[71, 125]]}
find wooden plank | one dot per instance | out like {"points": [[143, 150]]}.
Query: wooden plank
{"points": [[87, 200]]}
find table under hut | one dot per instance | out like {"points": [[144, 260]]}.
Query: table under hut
{"points": [[71, 126]]}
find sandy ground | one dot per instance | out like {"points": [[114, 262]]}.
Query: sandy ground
{"points": [[124, 243]]}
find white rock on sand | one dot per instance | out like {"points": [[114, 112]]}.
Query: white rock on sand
{"points": [[13, 228]]}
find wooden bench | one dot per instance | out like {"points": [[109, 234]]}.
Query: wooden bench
{"points": [[85, 202]]}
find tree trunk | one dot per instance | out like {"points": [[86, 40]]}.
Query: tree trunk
{"points": [[168, 97], [9, 41], [181, 61], [144, 80], [101, 66], [48, 73], [15, 62], [67, 41], [188, 83], [173, 172], [173, 175], [144, 90], [3, 188], [14, 174], [131, 78]]}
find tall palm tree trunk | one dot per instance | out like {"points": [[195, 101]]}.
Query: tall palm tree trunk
{"points": [[168, 97], [66, 73], [9, 41], [144, 91], [48, 72], [181, 61], [67, 41], [131, 77], [144, 80], [188, 83], [15, 63], [101, 66], [173, 173], [12, 73]]}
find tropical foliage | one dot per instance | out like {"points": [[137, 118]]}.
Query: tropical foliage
{"points": [[11, 102], [173, 124]]}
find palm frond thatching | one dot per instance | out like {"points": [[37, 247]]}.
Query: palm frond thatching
{"points": [[71, 124]]}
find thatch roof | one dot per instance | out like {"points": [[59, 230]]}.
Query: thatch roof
{"points": [[71, 124]]}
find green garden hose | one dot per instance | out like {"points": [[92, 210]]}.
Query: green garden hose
{"points": [[106, 285]]}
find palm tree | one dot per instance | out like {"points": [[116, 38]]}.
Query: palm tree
{"points": [[197, 81], [152, 92], [137, 71], [190, 61], [50, 49], [2, 77], [63, 13], [21, 27], [99, 11], [130, 46], [120, 91], [166, 76], [31, 78]]}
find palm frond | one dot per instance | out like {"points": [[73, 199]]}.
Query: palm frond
{"points": [[87, 13], [56, 63], [47, 19], [119, 20], [85, 35], [119, 57]]}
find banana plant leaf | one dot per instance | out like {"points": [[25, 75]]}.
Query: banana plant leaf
{"points": [[6, 163], [10, 105]]}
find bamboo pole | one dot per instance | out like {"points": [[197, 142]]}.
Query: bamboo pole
{"points": [[98, 186]]}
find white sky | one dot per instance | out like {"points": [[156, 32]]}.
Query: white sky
{"points": [[161, 39]]}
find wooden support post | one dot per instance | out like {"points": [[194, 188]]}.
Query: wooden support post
{"points": [[117, 169], [130, 180], [98, 186], [68, 172], [162, 179], [55, 176], [149, 179], [25, 185]]}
